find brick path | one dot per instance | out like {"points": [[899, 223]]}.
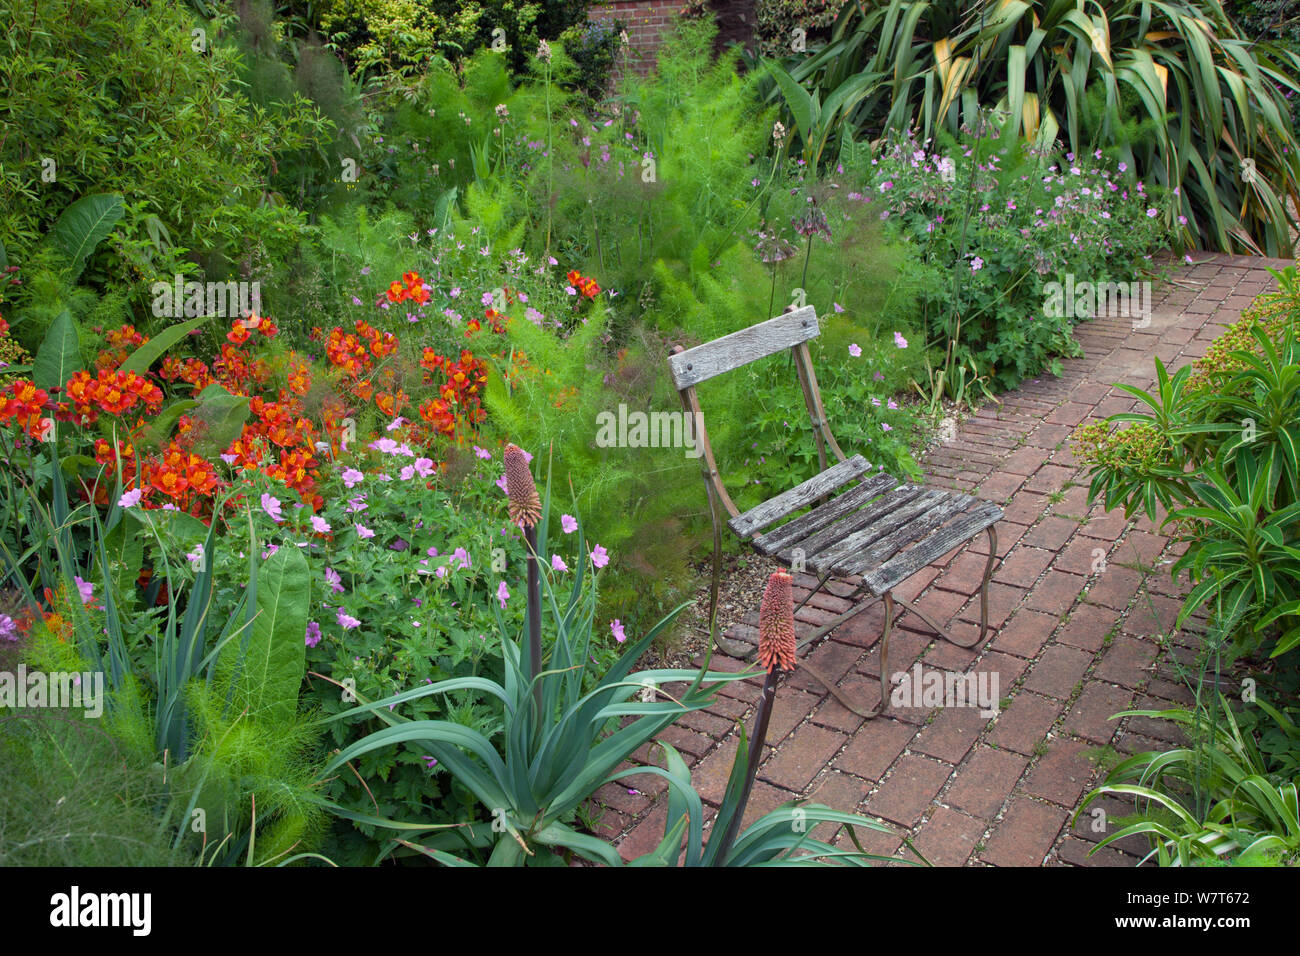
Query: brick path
{"points": [[1071, 645]]}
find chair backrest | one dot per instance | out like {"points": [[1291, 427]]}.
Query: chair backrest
{"points": [[703, 362], [792, 330]]}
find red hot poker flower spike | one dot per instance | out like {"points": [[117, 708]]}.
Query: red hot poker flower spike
{"points": [[776, 640], [525, 506]]}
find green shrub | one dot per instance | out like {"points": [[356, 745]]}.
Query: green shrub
{"points": [[594, 48], [165, 126], [399, 35], [1216, 447]]}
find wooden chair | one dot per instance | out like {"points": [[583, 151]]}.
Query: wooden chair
{"points": [[862, 523]]}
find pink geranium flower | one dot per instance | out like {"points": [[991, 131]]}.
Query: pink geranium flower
{"points": [[272, 507]]}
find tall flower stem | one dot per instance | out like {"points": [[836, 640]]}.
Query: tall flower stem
{"points": [[550, 156], [803, 280], [525, 509], [534, 618], [761, 719], [776, 652]]}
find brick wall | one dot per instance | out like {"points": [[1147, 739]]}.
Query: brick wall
{"points": [[646, 21]]}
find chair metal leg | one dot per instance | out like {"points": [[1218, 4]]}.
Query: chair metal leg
{"points": [[821, 582], [884, 655], [724, 644], [984, 601], [884, 658], [984, 587]]}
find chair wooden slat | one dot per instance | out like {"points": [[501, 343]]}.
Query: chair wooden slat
{"points": [[846, 547], [801, 495], [902, 566], [906, 536], [814, 544], [702, 362], [820, 517]]}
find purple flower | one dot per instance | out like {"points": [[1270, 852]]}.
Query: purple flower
{"points": [[616, 626], [1151, 214], [568, 523], [885, 426], [346, 621], [351, 477], [482, 453], [976, 265], [357, 504], [320, 525], [599, 556], [557, 563], [130, 499], [503, 594], [899, 340], [313, 633], [333, 580], [363, 531], [272, 507], [855, 350], [85, 589], [461, 555]]}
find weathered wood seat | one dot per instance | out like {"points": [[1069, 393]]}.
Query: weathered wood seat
{"points": [[850, 520]]}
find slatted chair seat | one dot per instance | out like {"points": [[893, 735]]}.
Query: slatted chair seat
{"points": [[849, 520], [879, 529]]}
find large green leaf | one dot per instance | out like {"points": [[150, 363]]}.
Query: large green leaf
{"points": [[269, 665], [59, 355], [83, 226], [140, 360], [125, 550]]}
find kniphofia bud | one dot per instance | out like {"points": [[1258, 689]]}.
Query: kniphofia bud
{"points": [[776, 642], [525, 507]]}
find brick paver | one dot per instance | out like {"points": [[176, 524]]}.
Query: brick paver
{"points": [[1079, 605]]}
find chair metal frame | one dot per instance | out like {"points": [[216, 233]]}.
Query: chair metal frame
{"points": [[793, 330]]}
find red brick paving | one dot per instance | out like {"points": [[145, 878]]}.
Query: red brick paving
{"points": [[967, 789]]}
